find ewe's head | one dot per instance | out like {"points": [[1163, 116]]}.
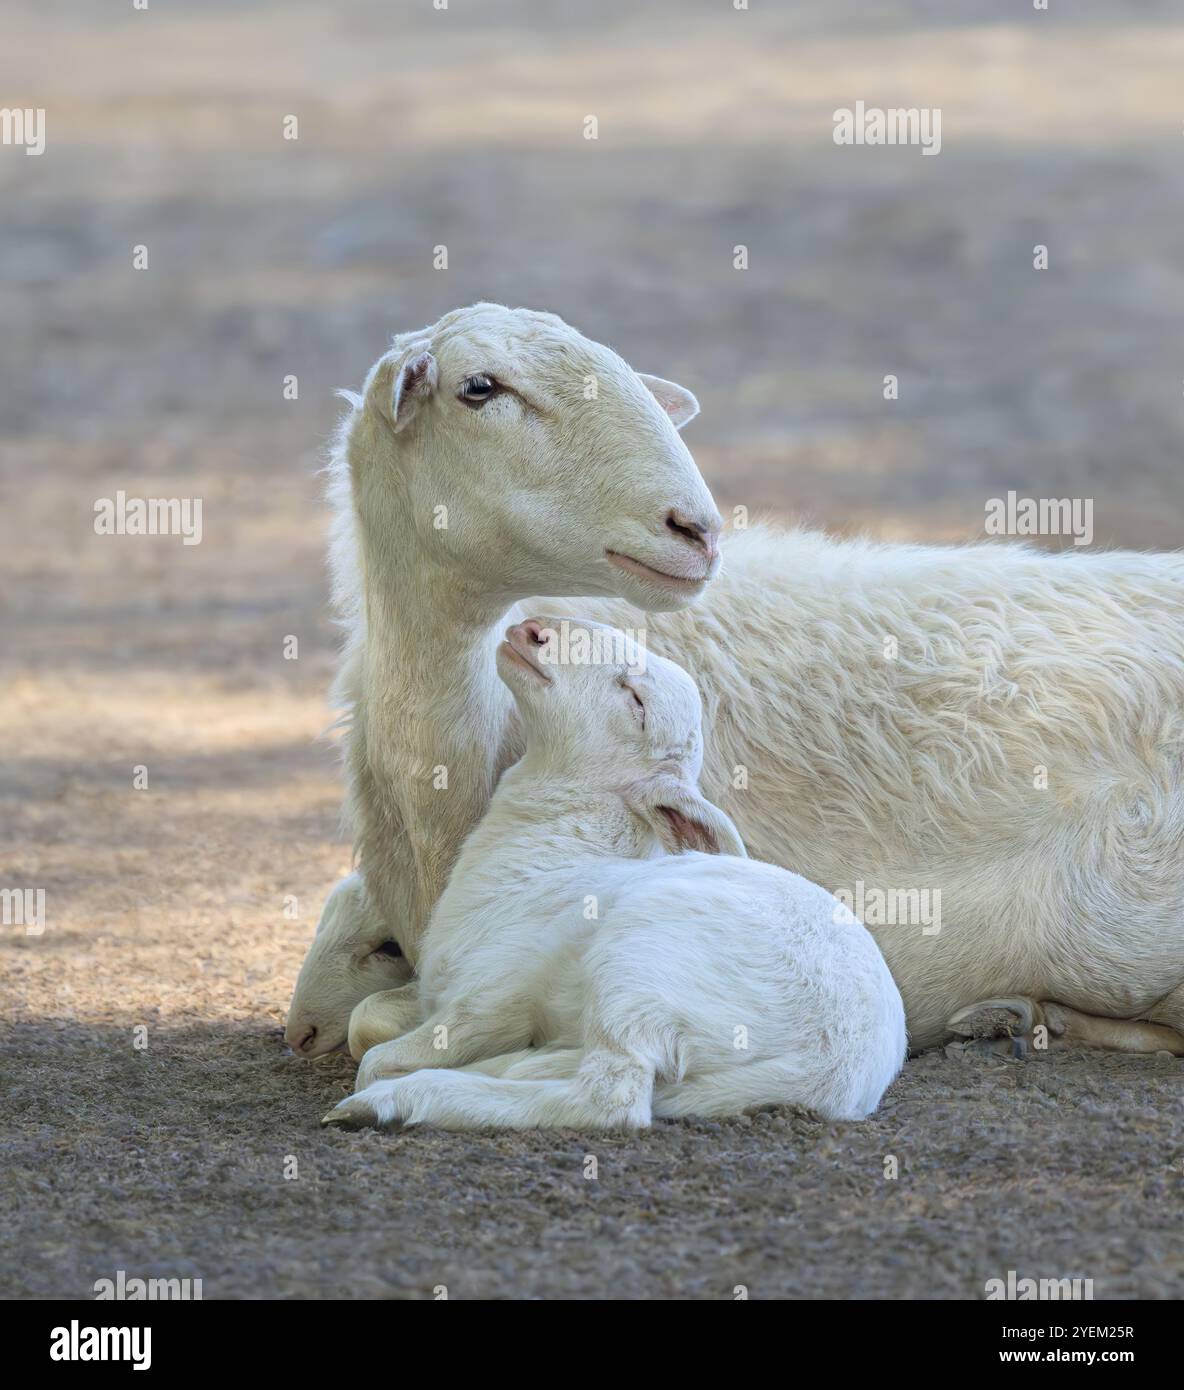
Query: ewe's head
{"points": [[353, 955], [603, 714], [533, 460]]}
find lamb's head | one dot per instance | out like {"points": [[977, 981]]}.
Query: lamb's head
{"points": [[353, 955], [530, 459], [603, 714]]}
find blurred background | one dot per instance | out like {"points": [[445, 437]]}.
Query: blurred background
{"points": [[464, 127]]}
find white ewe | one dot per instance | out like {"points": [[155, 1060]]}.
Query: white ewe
{"points": [[493, 455], [694, 983], [994, 723]]}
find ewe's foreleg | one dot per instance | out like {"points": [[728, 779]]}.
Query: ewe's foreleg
{"points": [[1170, 1010], [1017, 1025], [388, 1014], [1075, 1029]]}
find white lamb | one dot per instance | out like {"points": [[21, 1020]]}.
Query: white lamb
{"points": [[697, 982]]}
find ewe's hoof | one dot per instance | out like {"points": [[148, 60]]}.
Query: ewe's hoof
{"points": [[996, 1018], [1003, 1027]]}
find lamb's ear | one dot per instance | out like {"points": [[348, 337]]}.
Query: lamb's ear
{"points": [[675, 400], [400, 383], [682, 817]]}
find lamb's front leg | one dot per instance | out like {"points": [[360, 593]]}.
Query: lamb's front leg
{"points": [[603, 1090], [449, 1038]]}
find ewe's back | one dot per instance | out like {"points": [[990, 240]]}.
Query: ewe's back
{"points": [[872, 709]]}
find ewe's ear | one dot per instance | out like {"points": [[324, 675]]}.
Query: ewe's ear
{"points": [[414, 382], [399, 384], [675, 400], [682, 817]]}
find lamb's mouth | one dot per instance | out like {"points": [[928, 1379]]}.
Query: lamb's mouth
{"points": [[519, 660], [680, 582]]}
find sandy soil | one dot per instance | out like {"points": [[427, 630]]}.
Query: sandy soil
{"points": [[148, 1108]]}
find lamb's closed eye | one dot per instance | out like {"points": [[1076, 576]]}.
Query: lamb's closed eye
{"points": [[636, 703]]}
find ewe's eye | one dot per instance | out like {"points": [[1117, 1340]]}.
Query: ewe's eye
{"points": [[476, 390], [389, 948]]}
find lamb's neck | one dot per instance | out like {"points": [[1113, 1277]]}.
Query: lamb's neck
{"points": [[536, 822]]}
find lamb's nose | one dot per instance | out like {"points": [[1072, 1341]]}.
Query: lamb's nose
{"points": [[704, 533], [299, 1041]]}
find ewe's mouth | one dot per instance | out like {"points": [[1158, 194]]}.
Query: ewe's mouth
{"points": [[679, 582], [513, 655], [318, 1049]]}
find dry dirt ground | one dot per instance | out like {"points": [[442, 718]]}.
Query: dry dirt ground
{"points": [[149, 1111]]}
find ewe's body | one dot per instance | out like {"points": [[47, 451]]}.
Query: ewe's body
{"points": [[924, 770], [699, 983], [919, 770]]}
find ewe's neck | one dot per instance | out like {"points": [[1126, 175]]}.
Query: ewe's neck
{"points": [[425, 622], [432, 727], [429, 682]]}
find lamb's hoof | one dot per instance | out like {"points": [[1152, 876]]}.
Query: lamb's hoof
{"points": [[349, 1114], [378, 1106]]}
